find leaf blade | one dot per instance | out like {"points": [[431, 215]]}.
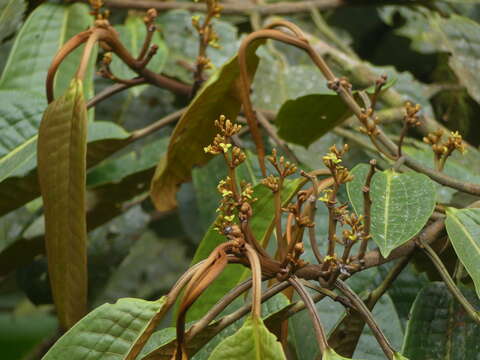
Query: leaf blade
{"points": [[110, 332], [62, 175], [401, 206], [240, 345], [463, 228]]}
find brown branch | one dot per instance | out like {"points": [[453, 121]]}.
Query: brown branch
{"points": [[112, 90], [368, 317]]}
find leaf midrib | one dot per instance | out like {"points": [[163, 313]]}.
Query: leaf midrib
{"points": [[386, 211]]}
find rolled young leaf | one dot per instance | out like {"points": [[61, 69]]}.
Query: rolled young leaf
{"points": [[252, 341], [61, 169], [463, 228]]}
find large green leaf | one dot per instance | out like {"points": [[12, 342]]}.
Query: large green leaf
{"points": [[196, 129], [22, 85], [401, 205], [307, 118], [133, 34], [11, 13], [463, 227], [439, 328], [110, 332], [460, 37], [253, 341], [262, 220], [62, 154]]}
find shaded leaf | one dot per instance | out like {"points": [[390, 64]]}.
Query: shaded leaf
{"points": [[463, 228], [307, 118], [261, 221], [11, 13], [182, 39], [196, 129], [355, 187], [460, 38], [401, 205], [252, 341], [439, 328], [62, 166], [110, 332], [22, 186]]}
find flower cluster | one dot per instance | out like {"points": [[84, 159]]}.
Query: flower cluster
{"points": [[443, 149], [332, 161]]}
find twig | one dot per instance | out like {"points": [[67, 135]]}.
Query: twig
{"points": [[219, 307], [471, 311], [256, 279], [368, 317], [112, 90], [307, 299], [392, 275], [367, 204], [270, 130], [147, 130]]}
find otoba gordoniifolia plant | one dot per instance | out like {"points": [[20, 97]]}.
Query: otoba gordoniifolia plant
{"points": [[388, 205]]}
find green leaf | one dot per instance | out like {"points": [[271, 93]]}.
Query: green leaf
{"points": [[262, 220], [110, 332], [463, 227], [196, 129], [439, 328], [460, 37], [21, 183], [398, 356], [401, 206], [330, 354], [253, 341], [304, 120], [11, 13], [133, 34], [22, 85], [61, 168], [42, 35]]}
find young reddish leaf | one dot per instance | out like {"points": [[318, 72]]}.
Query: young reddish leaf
{"points": [[61, 168]]}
